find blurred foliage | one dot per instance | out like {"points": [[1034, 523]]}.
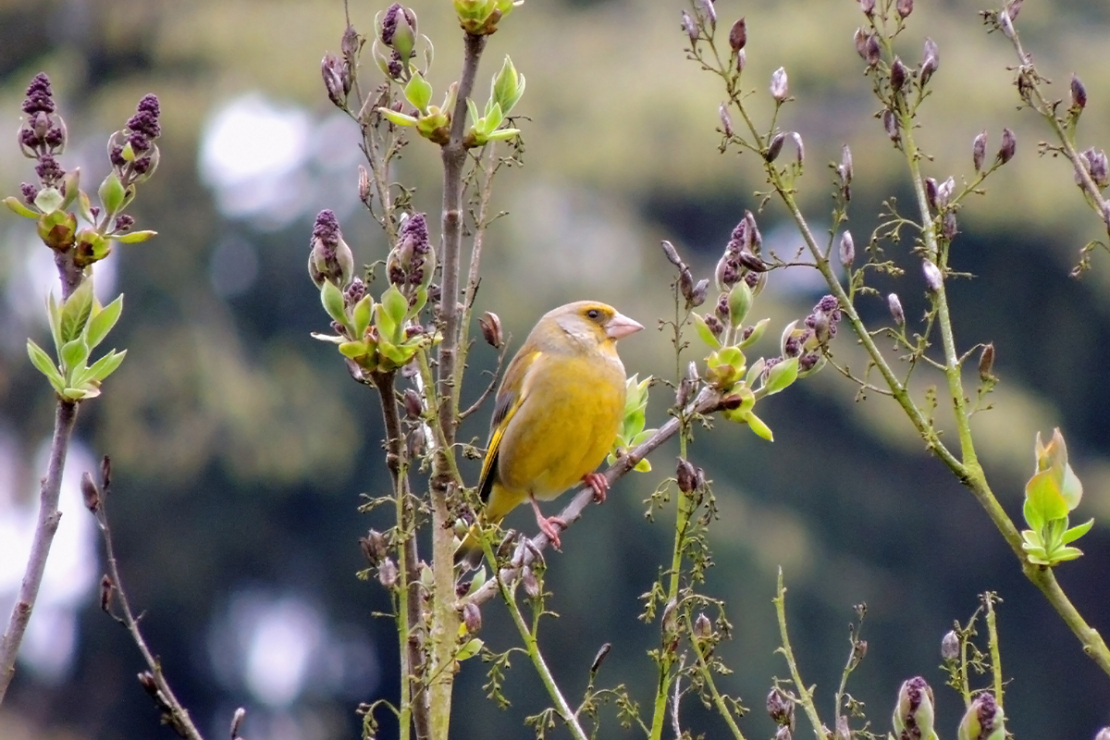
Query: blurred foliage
{"points": [[240, 445]]}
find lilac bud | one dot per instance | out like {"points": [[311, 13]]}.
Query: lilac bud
{"points": [[979, 150], [872, 50], [374, 547], [847, 249], [948, 226], [741, 60], [860, 37], [329, 258], [780, 707], [1014, 7], [697, 296], [944, 192], [331, 69], [90, 493], [986, 363], [387, 573], [707, 9], [913, 714], [1096, 165], [950, 645], [896, 312], [490, 325], [930, 60], [800, 147], [472, 617], [904, 8], [1005, 24], [890, 125], [845, 168], [779, 85], [690, 27], [686, 476], [726, 120], [1009, 145], [414, 408], [672, 255], [703, 628], [1078, 94], [931, 193], [868, 7], [898, 73], [934, 280], [738, 35], [983, 720], [774, 147]]}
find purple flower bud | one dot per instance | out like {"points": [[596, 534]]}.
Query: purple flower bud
{"points": [[472, 617], [847, 249], [690, 27], [29, 193], [930, 61], [931, 193], [1078, 94], [752, 262], [913, 714], [39, 98], [934, 280], [979, 150], [389, 24], [755, 239], [387, 573], [944, 192], [860, 38], [330, 69], [779, 85], [800, 147], [896, 312], [697, 296], [738, 35], [904, 8], [950, 645], [707, 10], [123, 224], [672, 255], [1097, 167], [868, 7], [872, 51], [741, 60], [714, 324], [983, 720], [774, 147], [1006, 24], [1009, 146], [898, 73], [686, 476], [845, 167], [90, 493], [329, 258], [890, 125], [948, 226], [726, 120], [780, 707]]}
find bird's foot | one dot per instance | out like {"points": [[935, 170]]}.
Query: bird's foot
{"points": [[599, 483], [549, 525]]}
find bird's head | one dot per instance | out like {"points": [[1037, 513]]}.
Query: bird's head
{"points": [[591, 323]]}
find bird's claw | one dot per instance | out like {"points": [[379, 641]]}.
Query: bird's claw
{"points": [[599, 483], [551, 526]]}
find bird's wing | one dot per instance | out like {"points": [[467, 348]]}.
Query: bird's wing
{"points": [[510, 397]]}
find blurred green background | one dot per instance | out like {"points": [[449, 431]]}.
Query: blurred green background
{"points": [[240, 445]]}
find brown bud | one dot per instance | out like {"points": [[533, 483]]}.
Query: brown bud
{"points": [[752, 262], [898, 74], [738, 35], [107, 591], [364, 193], [472, 617], [373, 547], [948, 226], [986, 363], [685, 475], [979, 150], [1078, 94], [860, 37], [1009, 146], [146, 680], [414, 407], [90, 493], [697, 296], [904, 8], [490, 324], [600, 657]]}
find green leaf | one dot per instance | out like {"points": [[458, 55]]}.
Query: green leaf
{"points": [[74, 354], [80, 394], [49, 200], [756, 334], [643, 466], [1032, 516], [397, 119], [478, 580], [353, 350], [469, 650], [1077, 531], [760, 429], [705, 333], [112, 193], [503, 134], [781, 376], [332, 299], [106, 365], [1045, 497], [361, 315], [1072, 488], [419, 92], [45, 365], [395, 307], [135, 237], [102, 322], [76, 311], [1063, 554], [17, 206], [54, 314], [739, 303]]}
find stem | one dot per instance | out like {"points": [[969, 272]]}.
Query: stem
{"points": [[64, 419], [804, 694], [532, 644], [445, 619], [707, 676], [992, 642]]}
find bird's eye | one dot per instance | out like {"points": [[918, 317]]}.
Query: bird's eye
{"points": [[593, 313]]}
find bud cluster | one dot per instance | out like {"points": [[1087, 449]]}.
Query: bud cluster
{"points": [[338, 72], [132, 150], [396, 31], [914, 712], [808, 340], [329, 259], [42, 134], [411, 263]]}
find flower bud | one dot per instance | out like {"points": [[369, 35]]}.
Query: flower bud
{"points": [[780, 86], [686, 476], [931, 193], [913, 714], [868, 7], [890, 125], [898, 74], [703, 628], [1006, 24], [860, 38], [741, 60], [872, 50], [930, 60], [983, 720], [706, 8], [530, 582], [690, 27], [986, 363], [844, 169], [490, 324], [944, 192], [330, 259], [896, 312], [1103, 734], [950, 645], [373, 547], [672, 255], [472, 617], [1078, 94], [1096, 165], [697, 295], [780, 707], [332, 72], [90, 493], [774, 147], [800, 147], [934, 280], [847, 249], [979, 150], [1009, 145], [387, 573], [784, 733], [726, 120], [738, 35], [904, 8], [948, 226]]}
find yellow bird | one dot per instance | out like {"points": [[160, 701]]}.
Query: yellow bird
{"points": [[559, 408]]}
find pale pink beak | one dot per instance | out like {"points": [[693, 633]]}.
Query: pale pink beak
{"points": [[621, 326]]}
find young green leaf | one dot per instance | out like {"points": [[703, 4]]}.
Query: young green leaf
{"points": [[76, 311], [102, 322], [45, 365]]}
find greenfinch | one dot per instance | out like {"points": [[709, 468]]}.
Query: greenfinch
{"points": [[558, 411]]}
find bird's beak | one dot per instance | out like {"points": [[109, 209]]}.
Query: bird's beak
{"points": [[621, 326]]}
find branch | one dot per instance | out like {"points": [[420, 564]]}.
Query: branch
{"points": [[64, 419]]}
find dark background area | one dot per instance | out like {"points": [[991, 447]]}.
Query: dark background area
{"points": [[241, 446]]}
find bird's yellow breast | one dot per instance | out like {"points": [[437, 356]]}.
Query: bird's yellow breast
{"points": [[549, 446]]}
